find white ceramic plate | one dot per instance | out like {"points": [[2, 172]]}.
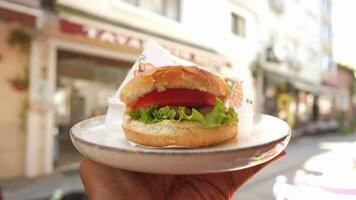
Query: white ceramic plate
{"points": [[269, 137]]}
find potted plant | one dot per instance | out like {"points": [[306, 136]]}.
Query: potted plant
{"points": [[20, 82], [20, 38]]}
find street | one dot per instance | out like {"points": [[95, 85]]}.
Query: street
{"points": [[298, 152]]}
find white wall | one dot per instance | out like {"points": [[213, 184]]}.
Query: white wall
{"points": [[213, 23], [124, 13], [300, 23], [211, 20]]}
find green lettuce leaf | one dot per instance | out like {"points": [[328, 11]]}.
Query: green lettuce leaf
{"points": [[215, 117], [164, 113], [218, 116], [145, 115], [230, 116], [195, 116]]}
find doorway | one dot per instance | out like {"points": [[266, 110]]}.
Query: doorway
{"points": [[83, 84]]}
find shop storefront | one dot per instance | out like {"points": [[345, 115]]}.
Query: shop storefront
{"points": [[83, 84], [78, 63], [345, 100], [309, 108], [290, 99]]}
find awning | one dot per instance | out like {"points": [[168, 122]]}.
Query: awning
{"points": [[295, 81], [22, 12], [87, 24], [105, 33]]}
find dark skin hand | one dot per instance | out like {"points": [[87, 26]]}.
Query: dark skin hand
{"points": [[105, 183]]}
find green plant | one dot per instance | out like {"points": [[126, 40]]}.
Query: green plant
{"points": [[346, 126], [23, 114], [21, 81], [353, 125], [345, 130], [256, 67], [20, 38]]}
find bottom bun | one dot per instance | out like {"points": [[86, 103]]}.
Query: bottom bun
{"points": [[184, 133]]}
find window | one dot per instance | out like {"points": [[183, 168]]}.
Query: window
{"points": [[155, 6], [172, 9], [328, 65], [278, 6], [326, 6], [132, 2], [167, 8], [326, 34], [238, 25]]}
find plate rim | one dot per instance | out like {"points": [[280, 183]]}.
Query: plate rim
{"points": [[170, 151]]}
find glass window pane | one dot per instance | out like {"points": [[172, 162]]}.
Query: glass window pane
{"points": [[83, 83], [132, 2], [172, 9], [233, 23], [238, 25], [155, 6], [241, 26]]}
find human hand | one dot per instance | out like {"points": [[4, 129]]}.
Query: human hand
{"points": [[106, 183]]}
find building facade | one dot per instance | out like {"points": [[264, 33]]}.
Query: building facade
{"points": [[345, 100], [295, 38], [18, 23], [80, 52]]}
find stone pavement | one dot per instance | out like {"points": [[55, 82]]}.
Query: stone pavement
{"points": [[260, 187]]}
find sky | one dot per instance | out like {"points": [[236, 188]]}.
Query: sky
{"points": [[344, 32]]}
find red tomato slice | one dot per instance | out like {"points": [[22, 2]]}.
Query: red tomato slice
{"points": [[176, 97]]}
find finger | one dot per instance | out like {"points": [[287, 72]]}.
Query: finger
{"points": [[86, 171], [106, 183], [99, 180], [242, 176]]}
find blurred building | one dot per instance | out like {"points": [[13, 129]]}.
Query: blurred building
{"points": [[79, 52], [345, 99], [295, 61], [19, 21], [61, 59]]}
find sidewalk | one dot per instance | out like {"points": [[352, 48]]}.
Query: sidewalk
{"points": [[43, 187]]}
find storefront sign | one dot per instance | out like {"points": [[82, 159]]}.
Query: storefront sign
{"points": [[113, 37], [137, 42], [10, 16], [101, 35]]}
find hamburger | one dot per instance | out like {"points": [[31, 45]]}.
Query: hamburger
{"points": [[180, 106]]}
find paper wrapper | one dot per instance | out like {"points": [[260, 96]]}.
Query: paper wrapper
{"points": [[155, 56]]}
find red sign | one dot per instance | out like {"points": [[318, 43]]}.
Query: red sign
{"points": [[124, 39], [101, 35], [11, 16]]}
